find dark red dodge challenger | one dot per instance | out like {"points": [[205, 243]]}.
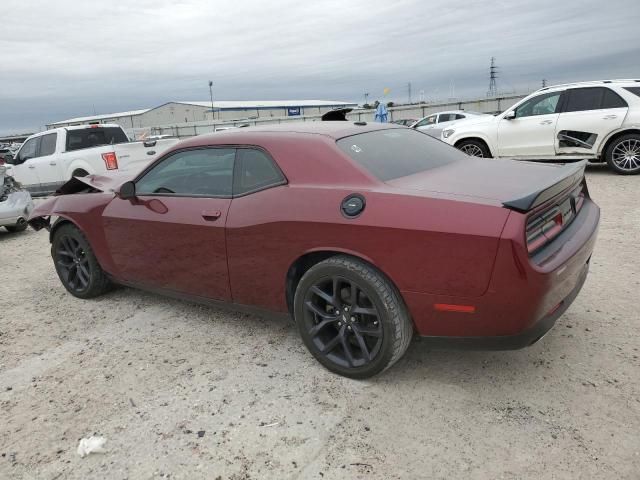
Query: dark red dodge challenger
{"points": [[363, 233]]}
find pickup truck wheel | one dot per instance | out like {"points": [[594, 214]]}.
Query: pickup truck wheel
{"points": [[76, 264], [623, 155], [474, 148], [351, 318], [20, 226]]}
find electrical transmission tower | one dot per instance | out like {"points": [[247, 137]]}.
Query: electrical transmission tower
{"points": [[493, 74], [544, 83]]}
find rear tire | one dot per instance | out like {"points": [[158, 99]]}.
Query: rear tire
{"points": [[623, 154], [474, 148], [76, 264], [351, 318]]}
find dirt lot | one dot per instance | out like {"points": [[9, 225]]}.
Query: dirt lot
{"points": [[186, 391]]}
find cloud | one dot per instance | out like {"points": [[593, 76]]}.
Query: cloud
{"points": [[71, 57]]}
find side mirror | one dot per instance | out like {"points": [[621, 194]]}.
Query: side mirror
{"points": [[127, 190], [510, 115], [8, 158], [149, 143]]}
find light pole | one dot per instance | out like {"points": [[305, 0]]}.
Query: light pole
{"points": [[211, 95]]}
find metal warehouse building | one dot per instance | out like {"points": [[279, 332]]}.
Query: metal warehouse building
{"points": [[173, 113]]}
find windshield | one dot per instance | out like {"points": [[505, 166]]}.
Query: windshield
{"points": [[395, 153]]}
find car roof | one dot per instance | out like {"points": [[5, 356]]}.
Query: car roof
{"points": [[621, 82]]}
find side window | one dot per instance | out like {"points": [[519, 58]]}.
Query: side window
{"points": [[612, 100], [446, 117], [29, 149], [48, 144], [459, 116], [206, 172], [541, 105], [582, 99], [430, 120], [255, 171]]}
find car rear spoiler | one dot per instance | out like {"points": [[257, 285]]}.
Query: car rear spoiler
{"points": [[568, 175]]}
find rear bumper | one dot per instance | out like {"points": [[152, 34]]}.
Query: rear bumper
{"points": [[526, 294], [510, 342]]}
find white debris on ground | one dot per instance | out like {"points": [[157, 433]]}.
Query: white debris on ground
{"points": [[91, 445]]}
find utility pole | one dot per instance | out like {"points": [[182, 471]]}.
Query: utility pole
{"points": [[211, 96], [409, 91], [493, 74], [544, 83]]}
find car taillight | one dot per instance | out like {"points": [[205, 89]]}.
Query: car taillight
{"points": [[545, 226], [110, 160]]}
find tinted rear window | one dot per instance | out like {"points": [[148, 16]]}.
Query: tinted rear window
{"points": [[94, 137], [390, 154], [634, 90]]}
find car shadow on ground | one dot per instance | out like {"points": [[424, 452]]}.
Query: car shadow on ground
{"points": [[420, 362]]}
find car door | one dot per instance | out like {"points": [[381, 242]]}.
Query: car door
{"points": [[531, 133], [46, 164], [588, 115], [252, 228], [24, 167], [171, 235]]}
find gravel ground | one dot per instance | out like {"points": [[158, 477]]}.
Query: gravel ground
{"points": [[185, 391]]}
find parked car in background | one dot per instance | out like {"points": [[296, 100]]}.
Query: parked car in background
{"points": [[15, 203], [598, 121], [48, 159], [434, 124], [407, 122], [381, 231]]}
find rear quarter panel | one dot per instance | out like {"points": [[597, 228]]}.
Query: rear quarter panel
{"points": [[422, 244]]}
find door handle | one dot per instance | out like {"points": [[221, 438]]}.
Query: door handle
{"points": [[52, 163], [32, 166], [211, 216], [546, 122], [609, 117]]}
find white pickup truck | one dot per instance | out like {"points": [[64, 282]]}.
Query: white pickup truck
{"points": [[48, 159]]}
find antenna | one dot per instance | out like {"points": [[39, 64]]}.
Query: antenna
{"points": [[493, 74]]}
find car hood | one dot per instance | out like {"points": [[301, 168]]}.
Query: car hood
{"points": [[103, 183], [473, 121], [511, 183]]}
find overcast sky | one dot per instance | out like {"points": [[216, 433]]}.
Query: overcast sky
{"points": [[68, 58]]}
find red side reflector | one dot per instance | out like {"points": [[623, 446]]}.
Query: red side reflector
{"points": [[446, 307], [110, 160]]}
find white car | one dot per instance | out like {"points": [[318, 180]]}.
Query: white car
{"points": [[598, 121], [15, 203], [434, 124], [48, 159]]}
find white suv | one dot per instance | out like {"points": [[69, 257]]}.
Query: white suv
{"points": [[599, 121]]}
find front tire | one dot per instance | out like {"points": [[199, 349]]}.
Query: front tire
{"points": [[20, 226], [623, 154], [76, 264], [474, 148], [351, 318]]}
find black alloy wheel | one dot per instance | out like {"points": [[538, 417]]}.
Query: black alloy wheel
{"points": [[76, 264], [343, 322], [351, 317]]}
